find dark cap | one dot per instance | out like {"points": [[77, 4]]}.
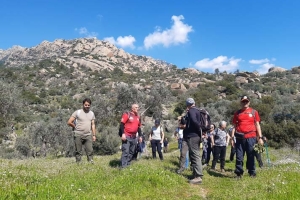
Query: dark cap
{"points": [[245, 98], [190, 101], [157, 121]]}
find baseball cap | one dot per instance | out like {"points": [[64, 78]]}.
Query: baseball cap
{"points": [[157, 121], [245, 98], [190, 101]]}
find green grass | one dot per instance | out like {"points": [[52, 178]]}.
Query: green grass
{"points": [[62, 178]]}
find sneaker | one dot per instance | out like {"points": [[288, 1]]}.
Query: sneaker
{"points": [[197, 180], [223, 170], [204, 165], [92, 161]]}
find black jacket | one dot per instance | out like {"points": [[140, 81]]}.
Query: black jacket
{"points": [[192, 123]]}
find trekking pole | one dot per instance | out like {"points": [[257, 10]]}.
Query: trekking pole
{"points": [[267, 153]]}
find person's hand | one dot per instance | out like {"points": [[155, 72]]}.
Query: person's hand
{"points": [[260, 141], [94, 138], [123, 137], [161, 141], [232, 143]]}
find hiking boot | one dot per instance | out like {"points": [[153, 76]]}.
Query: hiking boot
{"points": [[197, 180], [222, 170]]}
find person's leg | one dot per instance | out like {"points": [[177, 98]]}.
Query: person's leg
{"points": [[250, 142], [194, 152], [153, 146], [258, 158], [88, 145], [159, 150], [216, 156], [209, 151], [232, 152], [222, 157], [204, 155], [78, 148], [239, 146], [183, 154], [125, 153], [132, 149]]}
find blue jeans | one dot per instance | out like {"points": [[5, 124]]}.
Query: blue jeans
{"points": [[180, 143], [128, 150], [243, 146]]}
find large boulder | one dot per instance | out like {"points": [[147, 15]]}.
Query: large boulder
{"points": [[276, 69], [241, 80]]}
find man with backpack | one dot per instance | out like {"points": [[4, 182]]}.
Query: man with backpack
{"points": [[192, 134], [83, 123], [247, 132], [129, 127]]}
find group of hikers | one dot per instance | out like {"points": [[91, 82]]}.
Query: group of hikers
{"points": [[194, 128]]}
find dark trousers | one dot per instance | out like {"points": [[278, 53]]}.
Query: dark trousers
{"points": [[245, 146], [194, 154], [209, 151], [258, 158], [219, 153], [87, 142], [180, 140], [232, 152], [204, 155], [128, 150], [156, 145]]}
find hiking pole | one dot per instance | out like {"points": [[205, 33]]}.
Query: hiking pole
{"points": [[268, 158]]}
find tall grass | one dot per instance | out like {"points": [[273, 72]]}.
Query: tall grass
{"points": [[145, 179]]}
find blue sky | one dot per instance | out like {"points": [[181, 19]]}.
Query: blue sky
{"points": [[205, 34]]}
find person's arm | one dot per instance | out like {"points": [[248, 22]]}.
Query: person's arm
{"points": [[71, 122], [94, 130], [259, 134], [150, 135], [212, 137], [227, 139], [232, 136], [162, 135]]}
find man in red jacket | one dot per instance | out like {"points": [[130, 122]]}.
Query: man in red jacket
{"points": [[130, 126], [247, 132]]}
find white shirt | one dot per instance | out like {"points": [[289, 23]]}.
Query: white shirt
{"points": [[156, 133]]}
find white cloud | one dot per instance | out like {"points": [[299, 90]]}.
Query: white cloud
{"points": [[83, 31], [263, 69], [177, 34], [126, 41], [223, 63], [259, 62]]}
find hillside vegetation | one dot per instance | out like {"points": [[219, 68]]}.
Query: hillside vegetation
{"points": [[43, 85], [145, 179]]}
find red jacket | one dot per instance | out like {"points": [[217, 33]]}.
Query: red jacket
{"points": [[131, 123]]}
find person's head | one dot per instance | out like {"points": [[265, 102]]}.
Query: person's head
{"points": [[222, 125], [135, 108], [245, 101], [157, 122], [86, 104], [190, 102], [212, 127]]}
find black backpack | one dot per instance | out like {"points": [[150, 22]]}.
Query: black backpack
{"points": [[205, 122]]}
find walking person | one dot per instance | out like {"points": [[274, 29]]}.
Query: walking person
{"points": [[83, 123], [209, 146], [184, 149], [247, 132], [129, 127], [192, 135], [219, 140], [232, 139], [157, 137]]}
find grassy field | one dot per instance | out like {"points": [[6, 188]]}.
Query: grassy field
{"points": [[46, 178]]}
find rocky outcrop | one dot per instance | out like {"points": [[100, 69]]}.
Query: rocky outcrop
{"points": [[178, 86], [276, 69], [89, 52], [247, 77]]}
